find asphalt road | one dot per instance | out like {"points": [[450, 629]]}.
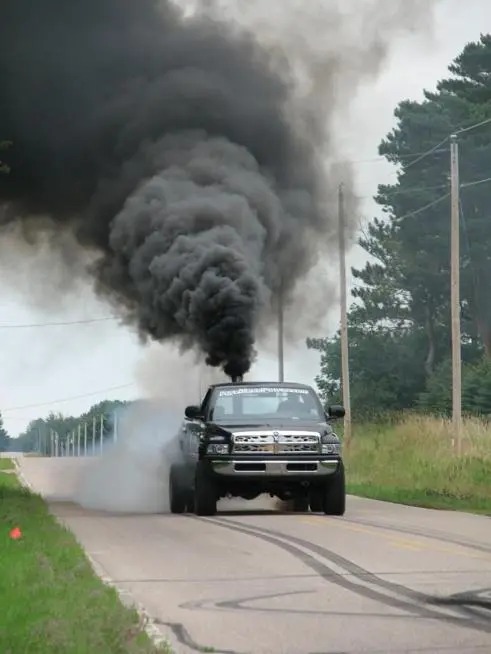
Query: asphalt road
{"points": [[384, 578]]}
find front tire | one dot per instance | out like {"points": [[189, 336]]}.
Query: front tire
{"points": [[301, 504], [205, 493], [190, 501], [177, 491], [316, 500], [334, 500]]}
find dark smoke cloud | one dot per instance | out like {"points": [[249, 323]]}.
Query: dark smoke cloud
{"points": [[172, 149], [165, 144]]}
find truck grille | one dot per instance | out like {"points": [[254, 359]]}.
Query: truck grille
{"points": [[276, 442]]}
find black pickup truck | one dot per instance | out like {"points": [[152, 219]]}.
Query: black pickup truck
{"points": [[252, 438]]}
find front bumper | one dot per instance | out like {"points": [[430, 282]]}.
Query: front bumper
{"points": [[274, 467]]}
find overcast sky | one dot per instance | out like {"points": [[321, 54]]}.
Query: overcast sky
{"points": [[45, 366]]}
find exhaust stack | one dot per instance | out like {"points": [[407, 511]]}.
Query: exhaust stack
{"points": [[237, 379]]}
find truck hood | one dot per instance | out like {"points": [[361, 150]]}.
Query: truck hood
{"points": [[275, 424]]}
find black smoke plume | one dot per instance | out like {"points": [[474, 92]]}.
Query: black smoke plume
{"points": [[164, 143]]}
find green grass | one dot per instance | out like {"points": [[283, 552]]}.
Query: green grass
{"points": [[414, 462], [7, 481], [51, 602], [6, 464]]}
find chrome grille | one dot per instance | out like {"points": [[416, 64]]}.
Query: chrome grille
{"points": [[276, 442]]}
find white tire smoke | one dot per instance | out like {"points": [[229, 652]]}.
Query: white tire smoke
{"points": [[131, 476]]}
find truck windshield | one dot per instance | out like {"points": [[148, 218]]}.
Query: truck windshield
{"points": [[266, 402]]}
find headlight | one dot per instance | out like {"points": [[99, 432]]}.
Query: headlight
{"points": [[328, 436], [217, 448], [331, 448]]}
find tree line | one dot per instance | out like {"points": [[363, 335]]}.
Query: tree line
{"points": [[5, 439], [399, 323]]}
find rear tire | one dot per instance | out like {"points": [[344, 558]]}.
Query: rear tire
{"points": [[177, 491], [334, 500], [205, 493]]}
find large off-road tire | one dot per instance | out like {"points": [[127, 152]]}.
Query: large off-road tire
{"points": [[177, 490], [205, 493], [316, 500], [301, 503], [334, 497], [190, 500]]}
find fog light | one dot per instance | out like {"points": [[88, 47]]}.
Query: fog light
{"points": [[331, 448]]}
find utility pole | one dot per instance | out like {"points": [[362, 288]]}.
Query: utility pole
{"points": [[345, 381], [102, 433], [281, 361], [455, 293]]}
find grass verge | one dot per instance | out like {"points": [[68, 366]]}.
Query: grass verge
{"points": [[50, 599], [414, 462], [6, 464]]}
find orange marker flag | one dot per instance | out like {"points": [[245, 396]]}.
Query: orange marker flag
{"points": [[15, 533]]}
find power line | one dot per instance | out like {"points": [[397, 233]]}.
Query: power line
{"points": [[427, 153], [416, 212], [423, 189], [478, 181], [66, 399], [474, 126], [57, 324], [420, 156], [402, 191], [380, 159], [441, 198], [417, 156], [435, 148]]}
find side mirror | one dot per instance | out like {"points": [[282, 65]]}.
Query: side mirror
{"points": [[192, 412], [336, 411]]}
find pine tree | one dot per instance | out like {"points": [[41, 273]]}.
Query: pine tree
{"points": [[4, 437]]}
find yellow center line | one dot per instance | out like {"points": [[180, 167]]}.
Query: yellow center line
{"points": [[406, 545], [409, 543]]}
